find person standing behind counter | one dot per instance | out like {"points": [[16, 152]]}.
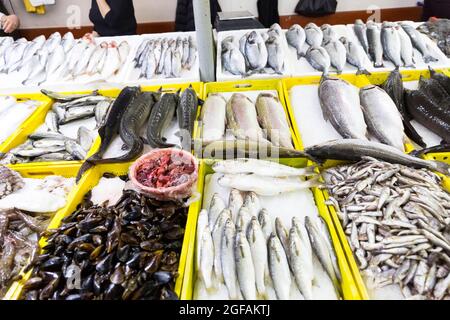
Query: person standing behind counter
{"points": [[113, 18], [9, 22]]}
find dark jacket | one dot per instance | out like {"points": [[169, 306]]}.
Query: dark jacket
{"points": [[120, 21], [184, 20], [436, 8], [15, 34], [268, 12]]}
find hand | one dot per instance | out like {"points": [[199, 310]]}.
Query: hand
{"points": [[10, 23]]}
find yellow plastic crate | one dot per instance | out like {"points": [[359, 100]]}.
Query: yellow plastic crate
{"points": [[250, 85], [87, 183], [349, 287], [45, 105], [343, 238], [37, 172], [357, 80]]}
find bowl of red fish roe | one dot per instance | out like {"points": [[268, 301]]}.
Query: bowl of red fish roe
{"points": [[165, 174]]}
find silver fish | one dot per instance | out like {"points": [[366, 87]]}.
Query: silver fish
{"points": [[206, 258], [256, 51], [279, 268], [51, 121], [217, 239], [375, 45], [283, 235], [328, 33], [319, 59], [75, 150], [229, 261], [361, 33], [338, 54], [355, 55], [301, 263], [232, 59], [244, 267], [296, 38], [258, 247], [391, 43], [314, 36], [418, 42], [235, 203], [215, 209], [275, 53], [84, 138], [407, 50], [266, 223]]}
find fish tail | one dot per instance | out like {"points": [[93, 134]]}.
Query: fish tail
{"points": [[314, 183], [84, 167], [441, 167], [412, 133], [432, 71]]}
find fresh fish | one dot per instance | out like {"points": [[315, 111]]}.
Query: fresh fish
{"points": [[36, 152], [176, 64], [329, 34], [47, 135], [187, 113], [355, 55], [320, 249], [258, 248], [216, 207], [202, 224], [110, 126], [266, 223], [51, 121], [98, 55], [56, 58], [229, 261], [303, 234], [77, 113], [338, 54], [206, 258], [275, 53], [84, 138], [192, 54], [394, 87], [56, 156], [443, 80], [319, 59], [47, 143], [314, 36], [275, 30], [434, 91], [375, 44], [75, 150], [83, 63], [382, 116], [152, 64], [160, 118], [418, 42], [124, 50], [260, 168], [66, 97], [256, 51], [272, 117], [244, 218], [213, 118], [296, 38], [360, 30], [217, 235], [429, 114], [407, 50], [232, 59], [68, 41], [301, 263], [390, 39], [75, 54], [355, 150], [279, 268], [244, 267], [283, 235], [265, 186], [164, 49], [235, 202], [101, 110], [223, 149], [341, 106], [252, 203], [112, 63], [242, 118], [185, 52]]}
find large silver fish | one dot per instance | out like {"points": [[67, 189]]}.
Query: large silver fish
{"points": [[340, 105], [256, 51], [275, 53], [355, 55], [319, 59], [391, 43], [338, 54], [360, 30], [314, 36], [375, 45], [296, 38], [232, 59], [418, 42]]}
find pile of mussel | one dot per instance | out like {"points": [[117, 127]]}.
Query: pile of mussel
{"points": [[129, 251]]}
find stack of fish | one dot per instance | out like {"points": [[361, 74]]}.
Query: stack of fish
{"points": [[23, 216], [60, 59], [165, 58], [255, 52], [133, 111], [127, 251], [397, 222], [429, 104], [245, 120], [354, 116], [13, 114], [49, 143], [392, 41], [238, 246], [438, 30]]}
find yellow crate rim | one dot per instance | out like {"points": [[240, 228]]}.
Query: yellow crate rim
{"points": [[349, 287]]}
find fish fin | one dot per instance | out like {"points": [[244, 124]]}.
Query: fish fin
{"points": [[363, 71], [429, 58], [378, 65], [84, 167]]}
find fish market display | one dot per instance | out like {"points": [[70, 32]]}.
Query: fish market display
{"points": [[396, 221], [245, 252], [355, 150], [127, 251], [13, 113], [382, 117], [243, 119], [60, 59], [340, 105], [428, 105], [164, 57], [255, 52], [26, 206], [68, 131], [438, 30]]}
